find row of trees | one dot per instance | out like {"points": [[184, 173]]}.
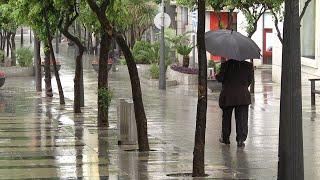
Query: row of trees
{"points": [[116, 20], [110, 21]]}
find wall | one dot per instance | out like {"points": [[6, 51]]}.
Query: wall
{"points": [[310, 68], [257, 36]]}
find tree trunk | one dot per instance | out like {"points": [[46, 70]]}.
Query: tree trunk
{"points": [[85, 36], [3, 40], [57, 42], [199, 142], [103, 77], [56, 73], [51, 51], [77, 82], [8, 43], [81, 87], [290, 165], [13, 50], [140, 115], [250, 34], [21, 37], [89, 44], [132, 37], [47, 78], [37, 62], [253, 79], [78, 71]]}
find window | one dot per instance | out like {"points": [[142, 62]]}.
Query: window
{"points": [[308, 30]]}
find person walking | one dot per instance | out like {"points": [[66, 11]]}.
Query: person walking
{"points": [[236, 77]]}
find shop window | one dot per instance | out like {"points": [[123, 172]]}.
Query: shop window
{"points": [[308, 30]]}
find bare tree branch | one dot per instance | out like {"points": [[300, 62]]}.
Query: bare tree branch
{"points": [[306, 4], [276, 24]]}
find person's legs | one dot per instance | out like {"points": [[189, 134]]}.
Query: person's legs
{"points": [[241, 116], [226, 123]]}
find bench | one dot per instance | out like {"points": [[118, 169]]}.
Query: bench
{"points": [[314, 91]]}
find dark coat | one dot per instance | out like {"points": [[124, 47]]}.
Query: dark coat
{"points": [[236, 76]]}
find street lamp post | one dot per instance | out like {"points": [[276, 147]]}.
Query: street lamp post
{"points": [[162, 76]]}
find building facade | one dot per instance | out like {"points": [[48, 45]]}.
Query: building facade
{"points": [[310, 47]]}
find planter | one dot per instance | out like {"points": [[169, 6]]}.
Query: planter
{"points": [[2, 80], [182, 78], [96, 67], [214, 85], [52, 68], [17, 71]]}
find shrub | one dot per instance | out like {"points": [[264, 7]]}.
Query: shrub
{"points": [[1, 55], [185, 70], [122, 61], [154, 71], [105, 98], [211, 64], [141, 52], [24, 57], [217, 67], [182, 44], [184, 50]]}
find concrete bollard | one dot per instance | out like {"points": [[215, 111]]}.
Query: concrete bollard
{"points": [[127, 128]]}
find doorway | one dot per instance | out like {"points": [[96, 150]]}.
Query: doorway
{"points": [[267, 46]]}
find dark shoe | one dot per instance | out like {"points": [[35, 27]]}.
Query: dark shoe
{"points": [[227, 142], [240, 144]]}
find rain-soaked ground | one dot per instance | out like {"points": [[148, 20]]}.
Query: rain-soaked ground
{"points": [[41, 139]]}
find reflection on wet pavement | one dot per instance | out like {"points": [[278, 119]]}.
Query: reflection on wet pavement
{"points": [[41, 139]]}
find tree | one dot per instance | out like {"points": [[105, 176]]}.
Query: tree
{"points": [[43, 18], [290, 165], [9, 26], [68, 14], [116, 16], [277, 11], [140, 17], [198, 152], [106, 36]]}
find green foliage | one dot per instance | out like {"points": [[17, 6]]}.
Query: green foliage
{"points": [[24, 57], [182, 44], [154, 71], [7, 20], [217, 67], [88, 18], [1, 55], [187, 3], [146, 52], [211, 64], [184, 50], [122, 61], [33, 13], [169, 35], [132, 14], [142, 51], [105, 97]]}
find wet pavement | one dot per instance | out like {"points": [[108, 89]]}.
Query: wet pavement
{"points": [[41, 139]]}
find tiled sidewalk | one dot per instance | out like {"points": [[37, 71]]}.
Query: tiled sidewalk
{"points": [[40, 139]]}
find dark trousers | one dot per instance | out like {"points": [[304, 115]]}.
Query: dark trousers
{"points": [[241, 116]]}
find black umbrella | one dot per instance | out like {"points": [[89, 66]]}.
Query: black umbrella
{"points": [[231, 44]]}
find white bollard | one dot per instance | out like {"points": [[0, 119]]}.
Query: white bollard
{"points": [[127, 128]]}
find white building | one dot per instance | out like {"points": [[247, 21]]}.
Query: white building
{"points": [[310, 47]]}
